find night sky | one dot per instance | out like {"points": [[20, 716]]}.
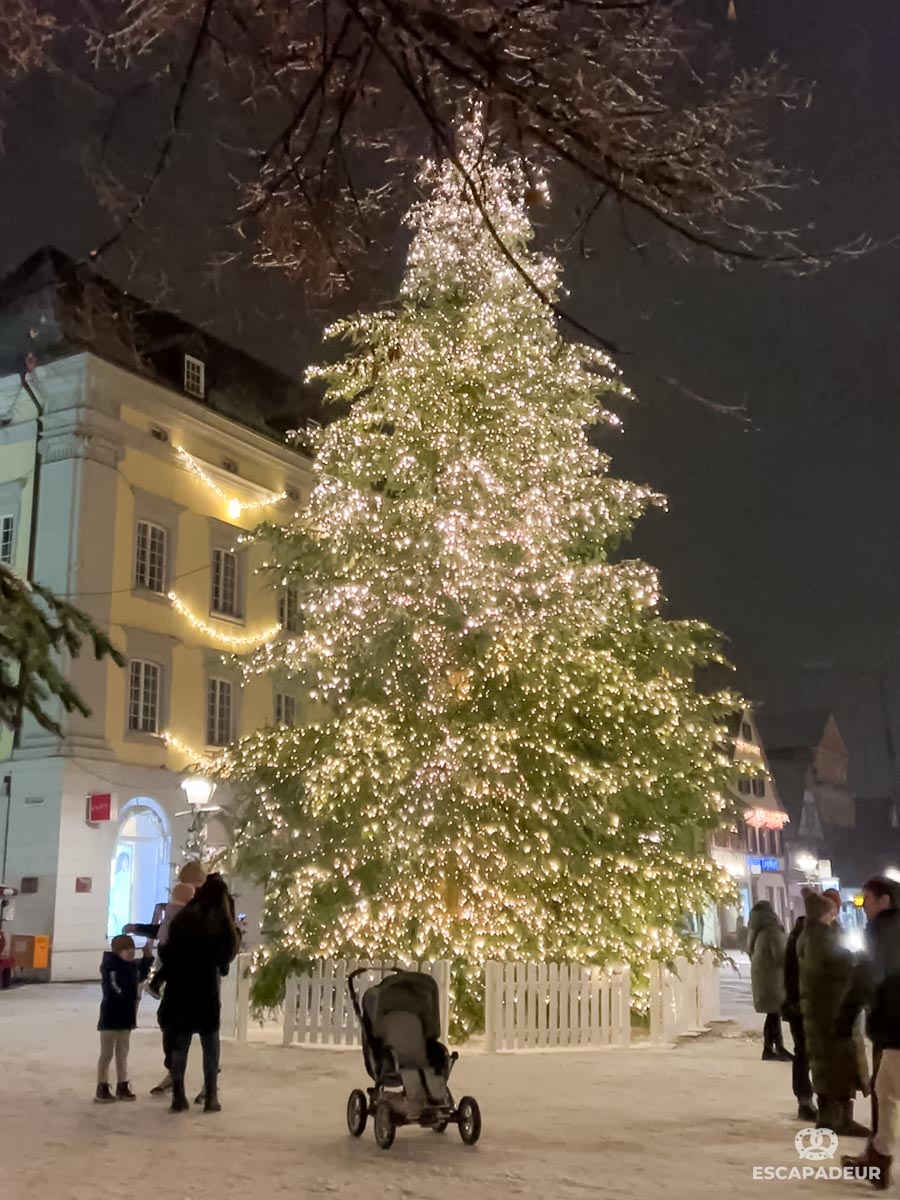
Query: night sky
{"points": [[784, 528]]}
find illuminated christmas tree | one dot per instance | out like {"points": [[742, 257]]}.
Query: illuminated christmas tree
{"points": [[506, 755]]}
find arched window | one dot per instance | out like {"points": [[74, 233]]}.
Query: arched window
{"points": [[140, 866]]}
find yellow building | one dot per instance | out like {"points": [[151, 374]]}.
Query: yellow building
{"points": [[155, 457]]}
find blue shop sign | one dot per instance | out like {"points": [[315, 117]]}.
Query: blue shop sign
{"points": [[763, 864]]}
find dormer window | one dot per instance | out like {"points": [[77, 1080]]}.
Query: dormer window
{"points": [[195, 377]]}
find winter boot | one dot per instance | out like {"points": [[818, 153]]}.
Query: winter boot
{"points": [[124, 1092], [164, 1085], [769, 1054], [828, 1114], [845, 1125], [103, 1095], [806, 1110], [179, 1099], [876, 1166], [211, 1102], [782, 1054]]}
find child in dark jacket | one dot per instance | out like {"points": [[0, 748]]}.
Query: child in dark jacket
{"points": [[121, 978]]}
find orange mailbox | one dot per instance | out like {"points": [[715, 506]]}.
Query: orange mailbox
{"points": [[41, 954]]}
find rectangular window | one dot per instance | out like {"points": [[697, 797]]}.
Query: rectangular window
{"points": [[226, 592], [747, 731], [218, 712], [285, 709], [150, 557], [143, 696], [7, 540], [744, 787], [289, 610], [194, 377], [759, 787]]}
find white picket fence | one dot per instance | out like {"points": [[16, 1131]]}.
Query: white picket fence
{"points": [[684, 999], [317, 1005], [533, 1006], [528, 1006]]}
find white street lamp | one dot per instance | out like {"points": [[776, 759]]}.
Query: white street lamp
{"points": [[198, 791]]}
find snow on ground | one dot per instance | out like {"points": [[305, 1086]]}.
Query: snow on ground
{"points": [[735, 995], [688, 1121]]}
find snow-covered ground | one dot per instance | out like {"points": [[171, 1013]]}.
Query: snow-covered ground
{"points": [[735, 994], [682, 1122]]}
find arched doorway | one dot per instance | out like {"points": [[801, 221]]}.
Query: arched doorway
{"points": [[139, 870]]}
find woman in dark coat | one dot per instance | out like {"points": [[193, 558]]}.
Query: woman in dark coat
{"points": [[203, 940], [827, 980], [766, 946]]}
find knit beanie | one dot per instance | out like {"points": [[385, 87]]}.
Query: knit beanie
{"points": [[817, 906]]}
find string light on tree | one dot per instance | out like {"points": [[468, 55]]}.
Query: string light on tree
{"points": [[237, 643], [509, 757], [234, 507]]}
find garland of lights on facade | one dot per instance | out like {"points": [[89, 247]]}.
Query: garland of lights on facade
{"points": [[233, 506], [237, 643]]}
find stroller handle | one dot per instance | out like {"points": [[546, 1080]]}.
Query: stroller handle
{"points": [[382, 970]]}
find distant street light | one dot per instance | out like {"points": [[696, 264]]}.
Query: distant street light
{"points": [[808, 864]]}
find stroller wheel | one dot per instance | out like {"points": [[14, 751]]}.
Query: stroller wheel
{"points": [[468, 1116], [385, 1130], [440, 1127], [357, 1112]]}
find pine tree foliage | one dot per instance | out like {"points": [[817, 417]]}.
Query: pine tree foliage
{"points": [[507, 755], [37, 631]]}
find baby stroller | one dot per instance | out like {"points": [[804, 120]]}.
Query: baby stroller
{"points": [[401, 1027]]}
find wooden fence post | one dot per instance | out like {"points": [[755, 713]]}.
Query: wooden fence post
{"points": [[290, 1010], [492, 1012], [656, 1002], [242, 1017]]}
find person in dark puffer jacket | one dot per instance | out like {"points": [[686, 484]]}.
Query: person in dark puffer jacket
{"points": [[800, 1077], [120, 978], [881, 987], [837, 1057], [203, 940], [790, 1010], [766, 946]]}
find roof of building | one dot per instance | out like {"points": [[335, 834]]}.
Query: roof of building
{"points": [[52, 306], [793, 731]]}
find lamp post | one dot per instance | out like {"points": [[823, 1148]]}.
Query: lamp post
{"points": [[198, 791]]}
